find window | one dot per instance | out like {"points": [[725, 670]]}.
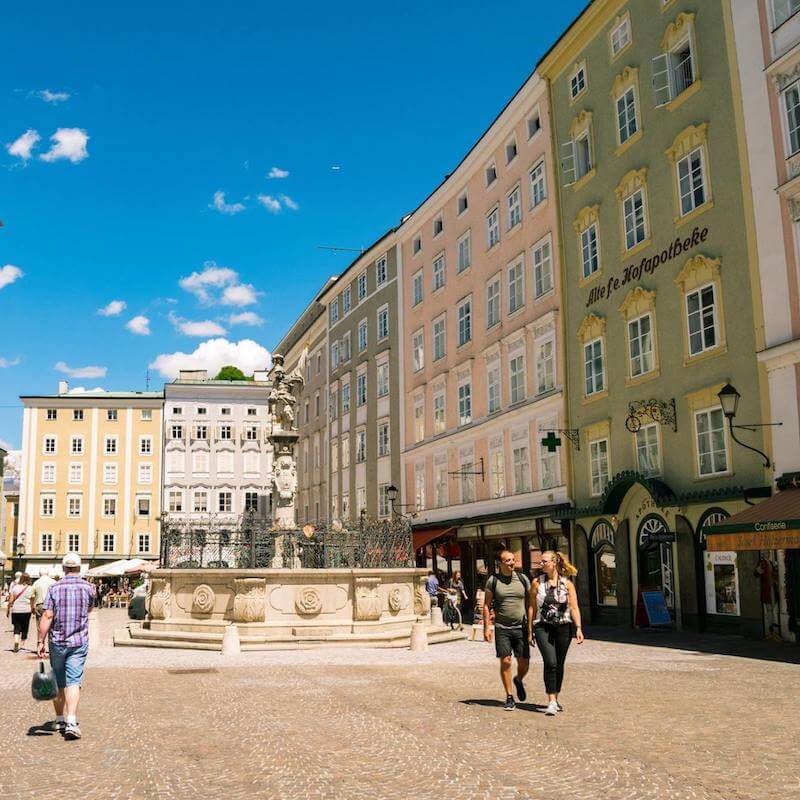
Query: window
{"points": [[516, 287], [345, 351], [334, 456], [576, 154], [111, 445], [48, 473], [334, 355], [514, 208], [516, 367], [111, 415], [200, 502], [73, 542], [533, 124], [108, 542], [361, 446], [384, 507], [251, 431], [464, 322], [251, 462], [416, 247], [225, 411], [440, 487], [577, 81], [335, 310], [175, 501], [200, 432], [76, 473], [77, 414], [542, 269], [347, 299], [383, 379], [176, 432], [361, 389], [438, 226], [362, 335], [383, 439], [691, 181], [674, 71], [438, 414], [319, 369], [545, 367], [467, 482], [491, 174], [383, 323], [109, 473], [333, 405], [50, 445], [419, 419], [416, 288], [52, 414], [76, 445], [226, 431], [109, 506], [345, 452], [346, 398], [634, 219], [783, 9], [465, 403], [145, 473], [538, 184], [462, 204], [598, 462], [345, 505], [46, 541], [647, 456], [74, 505], [142, 506], [380, 271], [712, 455], [593, 367], [590, 252], [640, 343], [522, 469], [702, 319], [493, 303], [464, 258], [251, 502], [493, 387], [147, 415], [439, 340], [418, 351], [362, 286], [548, 465], [621, 36], [626, 115], [225, 502], [492, 228], [497, 472], [200, 462], [48, 504], [791, 102], [143, 541], [361, 499], [177, 411], [438, 272], [511, 150], [145, 445]]}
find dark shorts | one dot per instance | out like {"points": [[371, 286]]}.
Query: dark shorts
{"points": [[511, 641]]}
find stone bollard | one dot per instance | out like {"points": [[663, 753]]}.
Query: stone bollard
{"points": [[231, 646], [419, 637], [94, 629], [436, 616]]}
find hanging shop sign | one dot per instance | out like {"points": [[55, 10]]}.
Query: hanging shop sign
{"points": [[634, 272]]}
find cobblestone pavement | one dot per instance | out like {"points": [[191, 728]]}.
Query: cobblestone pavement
{"points": [[641, 722]]}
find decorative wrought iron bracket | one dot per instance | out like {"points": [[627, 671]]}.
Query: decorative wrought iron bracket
{"points": [[659, 411], [464, 472], [552, 442]]}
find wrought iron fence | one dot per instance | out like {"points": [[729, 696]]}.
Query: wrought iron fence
{"points": [[249, 542]]}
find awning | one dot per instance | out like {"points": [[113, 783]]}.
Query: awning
{"points": [[427, 535], [771, 525]]}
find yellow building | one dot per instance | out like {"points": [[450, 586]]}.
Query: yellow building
{"points": [[91, 476]]}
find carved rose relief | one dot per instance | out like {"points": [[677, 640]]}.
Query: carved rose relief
{"points": [[308, 601], [368, 599], [158, 599], [203, 599], [249, 602]]}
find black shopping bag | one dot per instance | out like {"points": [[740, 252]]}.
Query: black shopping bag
{"points": [[43, 685]]}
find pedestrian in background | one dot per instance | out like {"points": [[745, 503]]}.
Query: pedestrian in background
{"points": [[432, 588], [40, 587], [66, 620], [20, 608], [554, 609]]}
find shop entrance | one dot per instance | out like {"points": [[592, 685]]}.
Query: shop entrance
{"points": [[656, 563]]}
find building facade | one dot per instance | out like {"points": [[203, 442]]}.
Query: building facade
{"points": [[482, 335], [217, 460], [306, 346], [91, 477], [364, 382], [663, 307]]}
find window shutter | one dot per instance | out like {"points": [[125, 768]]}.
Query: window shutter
{"points": [[662, 79], [568, 162]]}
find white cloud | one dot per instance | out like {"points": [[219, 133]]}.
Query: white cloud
{"points": [[245, 318], [5, 362], [270, 203], [84, 390], [23, 146], [240, 294], [113, 309], [223, 207], [139, 325], [8, 274], [277, 172], [214, 354], [198, 283], [68, 143], [203, 328], [81, 372], [53, 97], [289, 203]]}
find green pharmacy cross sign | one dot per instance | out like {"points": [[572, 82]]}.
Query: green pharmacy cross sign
{"points": [[553, 442]]}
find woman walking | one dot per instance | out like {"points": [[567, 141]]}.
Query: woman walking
{"points": [[20, 604], [554, 609]]}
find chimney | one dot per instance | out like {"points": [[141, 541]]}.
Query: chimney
{"points": [[193, 375], [63, 387], [260, 375]]}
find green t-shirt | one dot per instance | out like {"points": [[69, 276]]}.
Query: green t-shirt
{"points": [[509, 601]]}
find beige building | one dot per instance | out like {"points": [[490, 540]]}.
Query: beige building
{"points": [[91, 476], [481, 329]]}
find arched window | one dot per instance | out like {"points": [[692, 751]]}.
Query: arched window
{"points": [[656, 564], [604, 553], [720, 570]]}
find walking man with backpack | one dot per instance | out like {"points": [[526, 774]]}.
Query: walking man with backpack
{"points": [[508, 593]]}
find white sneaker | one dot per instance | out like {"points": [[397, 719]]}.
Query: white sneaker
{"points": [[72, 731], [552, 709]]}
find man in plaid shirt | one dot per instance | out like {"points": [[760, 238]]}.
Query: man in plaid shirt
{"points": [[66, 619]]}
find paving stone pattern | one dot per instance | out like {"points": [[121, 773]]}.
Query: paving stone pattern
{"points": [[641, 722]]}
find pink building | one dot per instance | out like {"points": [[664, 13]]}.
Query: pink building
{"points": [[482, 334]]}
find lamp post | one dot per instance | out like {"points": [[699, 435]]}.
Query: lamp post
{"points": [[391, 493], [19, 552], [729, 400]]}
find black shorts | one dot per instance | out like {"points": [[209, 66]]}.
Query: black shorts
{"points": [[511, 641]]}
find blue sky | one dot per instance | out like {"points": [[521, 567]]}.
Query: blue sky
{"points": [[145, 111]]}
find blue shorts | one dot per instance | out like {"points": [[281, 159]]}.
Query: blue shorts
{"points": [[67, 664]]}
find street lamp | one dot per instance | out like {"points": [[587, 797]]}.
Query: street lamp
{"points": [[729, 400], [391, 494]]}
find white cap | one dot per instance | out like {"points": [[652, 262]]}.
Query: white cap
{"points": [[71, 560]]}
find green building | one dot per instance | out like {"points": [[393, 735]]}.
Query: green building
{"points": [[661, 308]]}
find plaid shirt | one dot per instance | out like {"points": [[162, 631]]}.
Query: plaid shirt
{"points": [[70, 600]]}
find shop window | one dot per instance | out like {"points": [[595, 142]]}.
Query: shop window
{"points": [[721, 571], [604, 554]]}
